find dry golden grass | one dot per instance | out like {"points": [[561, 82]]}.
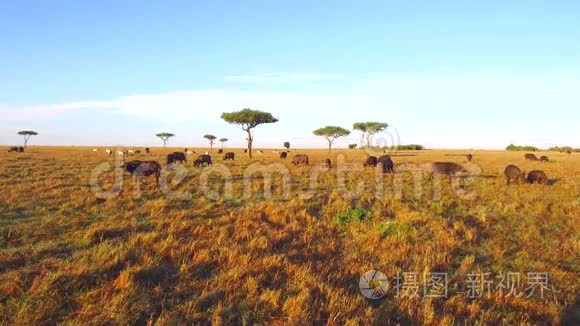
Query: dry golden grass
{"points": [[67, 256]]}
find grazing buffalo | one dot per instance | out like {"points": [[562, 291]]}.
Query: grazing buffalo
{"points": [[300, 159], [147, 150], [531, 157], [537, 176], [447, 168], [544, 158], [15, 149], [328, 163], [202, 160], [143, 168], [229, 156], [220, 151], [176, 157], [283, 155], [512, 172], [469, 157], [386, 163], [371, 161]]}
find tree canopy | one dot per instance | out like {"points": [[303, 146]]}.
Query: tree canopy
{"points": [[287, 144], [331, 133], [248, 119], [369, 129], [164, 137], [27, 134]]}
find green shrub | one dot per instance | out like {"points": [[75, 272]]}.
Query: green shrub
{"points": [[352, 214], [526, 148], [393, 229]]}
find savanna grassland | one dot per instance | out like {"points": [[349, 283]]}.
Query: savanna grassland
{"points": [[68, 256]]}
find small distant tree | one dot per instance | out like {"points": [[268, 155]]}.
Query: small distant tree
{"points": [[369, 129], [165, 137], [287, 144], [223, 140], [331, 133], [27, 134], [352, 146], [211, 139], [248, 119]]}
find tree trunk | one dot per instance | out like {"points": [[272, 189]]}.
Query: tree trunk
{"points": [[25, 141], [250, 140], [329, 146]]}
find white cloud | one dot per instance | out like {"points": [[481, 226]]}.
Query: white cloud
{"points": [[281, 78]]}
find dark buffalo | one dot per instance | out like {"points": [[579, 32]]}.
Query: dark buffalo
{"points": [[202, 160], [544, 158], [176, 157], [386, 163], [328, 163], [229, 156], [512, 172], [143, 168], [147, 150], [245, 150], [220, 151], [447, 168], [300, 159], [283, 155], [14, 149], [531, 157], [371, 161], [537, 176], [469, 157]]}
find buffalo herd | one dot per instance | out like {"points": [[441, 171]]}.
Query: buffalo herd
{"points": [[148, 168]]}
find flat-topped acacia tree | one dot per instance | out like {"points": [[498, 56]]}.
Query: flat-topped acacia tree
{"points": [[223, 140], [248, 119], [331, 133], [211, 139], [165, 137], [27, 134], [369, 129]]}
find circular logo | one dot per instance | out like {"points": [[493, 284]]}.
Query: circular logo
{"points": [[373, 285]]}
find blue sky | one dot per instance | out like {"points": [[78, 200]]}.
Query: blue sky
{"points": [[446, 74]]}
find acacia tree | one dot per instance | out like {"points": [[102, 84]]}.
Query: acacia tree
{"points": [[248, 119], [27, 134], [369, 129], [165, 137], [223, 140], [287, 144], [211, 139], [331, 133]]}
